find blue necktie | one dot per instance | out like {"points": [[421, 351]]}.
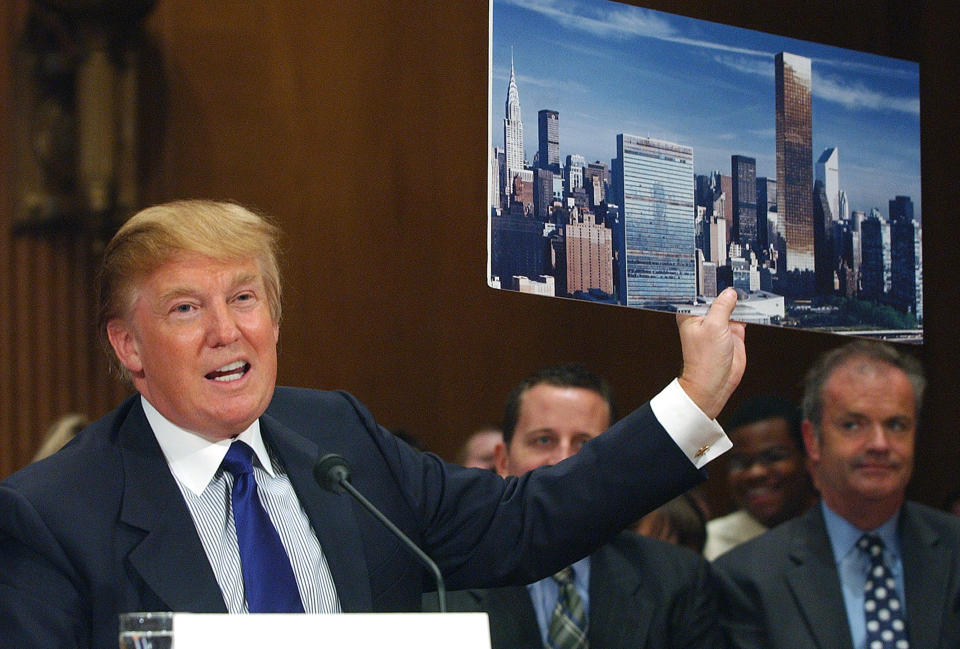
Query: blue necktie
{"points": [[882, 608], [267, 576]]}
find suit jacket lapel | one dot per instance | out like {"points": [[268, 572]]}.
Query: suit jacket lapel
{"points": [[620, 608], [331, 516], [170, 557], [925, 579], [815, 584], [513, 622]]}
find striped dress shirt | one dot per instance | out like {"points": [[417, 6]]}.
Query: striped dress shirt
{"points": [[195, 464]]}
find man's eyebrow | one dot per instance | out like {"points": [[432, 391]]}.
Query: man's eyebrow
{"points": [[245, 278], [900, 417], [176, 292], [186, 291], [539, 431]]}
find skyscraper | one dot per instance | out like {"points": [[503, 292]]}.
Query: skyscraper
{"points": [[725, 201], [548, 130], [901, 209], [918, 276], [573, 172], [588, 258], [513, 130], [596, 177], [828, 172], [795, 160], [823, 242], [656, 186], [542, 193], [744, 194], [494, 192], [903, 255], [871, 265], [766, 204], [518, 248]]}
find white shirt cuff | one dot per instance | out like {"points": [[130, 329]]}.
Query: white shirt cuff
{"points": [[699, 437]]}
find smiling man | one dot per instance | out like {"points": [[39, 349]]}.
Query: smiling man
{"points": [[766, 473], [197, 493], [866, 568]]}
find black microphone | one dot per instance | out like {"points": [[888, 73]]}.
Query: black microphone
{"points": [[333, 474]]}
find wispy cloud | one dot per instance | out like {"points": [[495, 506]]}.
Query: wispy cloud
{"points": [[852, 96], [904, 71], [763, 133], [858, 96], [754, 66], [625, 22], [547, 83], [598, 22]]}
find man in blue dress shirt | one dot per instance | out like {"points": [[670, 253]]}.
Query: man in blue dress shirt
{"points": [[631, 593], [865, 568]]}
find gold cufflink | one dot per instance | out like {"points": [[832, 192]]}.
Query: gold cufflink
{"points": [[702, 450]]}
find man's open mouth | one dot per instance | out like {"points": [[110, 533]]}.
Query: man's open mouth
{"points": [[230, 372]]}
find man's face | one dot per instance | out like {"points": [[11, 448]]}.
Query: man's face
{"points": [[766, 471], [553, 423], [864, 455], [480, 449], [200, 343]]}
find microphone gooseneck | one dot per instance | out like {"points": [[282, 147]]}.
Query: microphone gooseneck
{"points": [[332, 472]]}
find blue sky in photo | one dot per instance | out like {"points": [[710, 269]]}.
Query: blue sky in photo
{"points": [[611, 68]]}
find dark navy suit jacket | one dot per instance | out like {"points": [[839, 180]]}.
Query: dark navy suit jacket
{"points": [[101, 527], [644, 594]]}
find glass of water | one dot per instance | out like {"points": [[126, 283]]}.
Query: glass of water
{"points": [[146, 630]]}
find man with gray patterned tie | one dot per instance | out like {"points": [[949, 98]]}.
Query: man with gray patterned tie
{"points": [[631, 593], [865, 569]]}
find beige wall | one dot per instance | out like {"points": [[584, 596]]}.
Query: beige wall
{"points": [[349, 121]]}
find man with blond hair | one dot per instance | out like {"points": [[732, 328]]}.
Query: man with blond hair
{"points": [[197, 493]]}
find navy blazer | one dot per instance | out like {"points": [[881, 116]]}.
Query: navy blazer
{"points": [[644, 594], [101, 527], [781, 590]]}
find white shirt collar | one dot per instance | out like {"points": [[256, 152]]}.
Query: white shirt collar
{"points": [[194, 460]]}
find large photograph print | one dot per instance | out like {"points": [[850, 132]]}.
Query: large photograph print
{"points": [[648, 160]]}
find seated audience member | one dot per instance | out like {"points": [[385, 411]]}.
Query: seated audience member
{"points": [[680, 521], [633, 592], [766, 473], [477, 451], [864, 569], [61, 432]]}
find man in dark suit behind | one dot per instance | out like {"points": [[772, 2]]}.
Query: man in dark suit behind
{"points": [[636, 591], [139, 512], [808, 582]]}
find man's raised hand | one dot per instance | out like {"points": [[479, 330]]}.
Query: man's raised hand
{"points": [[714, 356]]}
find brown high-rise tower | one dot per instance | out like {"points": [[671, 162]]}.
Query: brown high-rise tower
{"points": [[795, 160]]}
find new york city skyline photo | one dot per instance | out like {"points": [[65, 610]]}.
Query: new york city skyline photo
{"points": [[713, 156]]}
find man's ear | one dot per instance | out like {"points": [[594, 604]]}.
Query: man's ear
{"points": [[125, 345], [810, 440], [500, 457]]}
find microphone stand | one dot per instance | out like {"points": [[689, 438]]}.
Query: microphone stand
{"points": [[333, 473]]}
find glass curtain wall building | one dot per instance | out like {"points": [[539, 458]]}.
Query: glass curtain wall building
{"points": [[657, 249]]}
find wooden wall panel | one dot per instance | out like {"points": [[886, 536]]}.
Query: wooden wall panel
{"points": [[362, 127]]}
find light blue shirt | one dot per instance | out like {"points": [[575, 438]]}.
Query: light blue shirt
{"points": [[852, 566], [545, 593]]}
